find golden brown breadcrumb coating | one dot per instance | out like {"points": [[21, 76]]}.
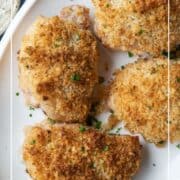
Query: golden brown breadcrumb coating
{"points": [[139, 96], [136, 26], [174, 23], [175, 101], [58, 68], [75, 152]]}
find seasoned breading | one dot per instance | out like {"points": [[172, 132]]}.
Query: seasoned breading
{"points": [[174, 23], [75, 152], [58, 68], [175, 101], [76, 14], [135, 5], [139, 97], [136, 26]]}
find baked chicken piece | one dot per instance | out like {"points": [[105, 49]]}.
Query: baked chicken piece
{"points": [[136, 26], [174, 119], [58, 67], [76, 152], [139, 97]]}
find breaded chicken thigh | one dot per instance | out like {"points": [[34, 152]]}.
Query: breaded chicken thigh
{"points": [[75, 152], [139, 97], [58, 68], [136, 26], [174, 119]]}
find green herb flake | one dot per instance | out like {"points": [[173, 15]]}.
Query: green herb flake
{"points": [[178, 79], [30, 115], [118, 129], [51, 121], [101, 79], [141, 32], [75, 77], [33, 142], [98, 125], [106, 148], [178, 146], [107, 5], [82, 129], [31, 108], [130, 54], [122, 67], [17, 94]]}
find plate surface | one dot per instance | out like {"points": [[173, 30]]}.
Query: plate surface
{"points": [[155, 160]]}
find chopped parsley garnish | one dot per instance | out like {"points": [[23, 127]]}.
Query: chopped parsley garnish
{"points": [[178, 146], [122, 67], [98, 124], [51, 121], [17, 94], [75, 77], [106, 148], [118, 129], [107, 5], [31, 108], [130, 54], [140, 32], [30, 115], [101, 79], [92, 121], [82, 129], [178, 79], [33, 142]]}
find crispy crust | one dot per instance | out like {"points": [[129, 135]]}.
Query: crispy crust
{"points": [[131, 6], [52, 52], [63, 152], [175, 101], [120, 28], [139, 97]]}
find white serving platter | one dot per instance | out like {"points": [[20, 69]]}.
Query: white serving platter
{"points": [[157, 162]]}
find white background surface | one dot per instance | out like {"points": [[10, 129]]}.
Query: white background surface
{"points": [[151, 154]]}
